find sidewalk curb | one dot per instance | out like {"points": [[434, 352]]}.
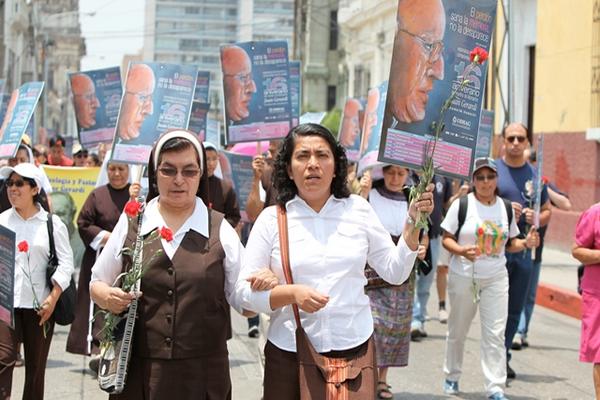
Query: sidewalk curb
{"points": [[558, 299]]}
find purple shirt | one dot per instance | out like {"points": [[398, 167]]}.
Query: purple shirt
{"points": [[587, 234]]}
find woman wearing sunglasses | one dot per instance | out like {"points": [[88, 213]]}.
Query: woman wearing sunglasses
{"points": [[179, 348], [478, 276], [34, 299]]}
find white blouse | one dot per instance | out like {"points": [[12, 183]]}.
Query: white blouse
{"points": [[109, 263], [328, 252], [391, 213], [34, 230]]}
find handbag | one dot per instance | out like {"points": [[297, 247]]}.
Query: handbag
{"points": [[322, 377], [64, 311]]}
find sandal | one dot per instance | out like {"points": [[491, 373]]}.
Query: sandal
{"points": [[383, 391]]}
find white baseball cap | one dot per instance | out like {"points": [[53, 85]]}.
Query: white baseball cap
{"points": [[26, 170]]}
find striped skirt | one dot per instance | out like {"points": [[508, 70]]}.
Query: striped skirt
{"points": [[392, 315]]}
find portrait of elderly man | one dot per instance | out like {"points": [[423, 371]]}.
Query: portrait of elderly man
{"points": [[417, 60], [137, 101], [238, 84], [84, 99], [371, 118], [350, 126]]}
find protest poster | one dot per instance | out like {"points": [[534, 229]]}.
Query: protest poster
{"points": [[96, 98], [157, 97], [350, 128], [198, 119], [485, 133], [19, 110], [373, 120], [7, 275], [237, 169], [431, 52], [256, 91], [71, 187], [201, 91], [295, 91]]}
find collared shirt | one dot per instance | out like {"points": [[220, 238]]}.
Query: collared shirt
{"points": [[328, 252], [34, 230], [109, 264]]}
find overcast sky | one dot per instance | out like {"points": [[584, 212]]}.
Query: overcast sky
{"points": [[117, 28]]}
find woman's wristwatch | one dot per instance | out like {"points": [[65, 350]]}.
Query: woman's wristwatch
{"points": [[410, 220]]}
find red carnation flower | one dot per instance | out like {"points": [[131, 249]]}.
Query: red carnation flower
{"points": [[478, 55], [480, 231], [545, 180], [133, 208], [23, 246], [166, 233]]}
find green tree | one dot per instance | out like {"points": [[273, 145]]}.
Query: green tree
{"points": [[332, 121]]}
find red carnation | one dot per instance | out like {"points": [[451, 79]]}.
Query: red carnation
{"points": [[133, 208], [478, 55], [480, 231], [23, 246], [166, 233], [545, 180]]}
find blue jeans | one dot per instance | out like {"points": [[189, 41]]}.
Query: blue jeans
{"points": [[423, 286], [530, 299], [519, 267]]}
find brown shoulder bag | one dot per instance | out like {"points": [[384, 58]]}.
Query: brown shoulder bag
{"points": [[322, 377]]}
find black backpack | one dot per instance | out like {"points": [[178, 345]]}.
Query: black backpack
{"points": [[462, 212]]}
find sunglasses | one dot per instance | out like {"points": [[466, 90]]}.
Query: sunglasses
{"points": [[520, 139], [172, 172], [482, 178], [18, 183]]}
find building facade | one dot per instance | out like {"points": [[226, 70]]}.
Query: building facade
{"points": [[317, 47], [42, 41], [191, 32], [266, 20], [367, 30]]}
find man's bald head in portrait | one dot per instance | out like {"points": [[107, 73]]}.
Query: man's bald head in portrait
{"points": [[85, 100], [238, 84], [137, 101], [417, 60]]}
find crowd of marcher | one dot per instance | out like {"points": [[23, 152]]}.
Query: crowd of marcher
{"points": [[334, 259]]}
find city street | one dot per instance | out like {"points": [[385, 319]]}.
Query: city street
{"points": [[549, 369]]}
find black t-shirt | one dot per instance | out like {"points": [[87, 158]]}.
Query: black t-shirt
{"points": [[441, 194]]}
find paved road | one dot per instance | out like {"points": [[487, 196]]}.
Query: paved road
{"points": [[547, 370]]}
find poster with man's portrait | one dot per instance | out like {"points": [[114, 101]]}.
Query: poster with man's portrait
{"points": [[96, 98], [485, 134], [156, 97], [237, 169], [19, 110], [201, 91], [431, 52], [371, 130], [256, 91], [349, 132], [7, 275], [198, 119], [295, 91]]}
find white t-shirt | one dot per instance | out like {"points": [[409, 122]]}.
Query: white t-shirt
{"points": [[487, 228]]}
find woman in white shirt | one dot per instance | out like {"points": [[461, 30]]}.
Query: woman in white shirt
{"points": [[391, 304], [478, 277], [34, 299], [332, 234]]}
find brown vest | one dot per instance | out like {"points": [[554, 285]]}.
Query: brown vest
{"points": [[183, 312]]}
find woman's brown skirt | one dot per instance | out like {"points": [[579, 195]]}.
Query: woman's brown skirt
{"points": [[205, 378], [281, 370]]}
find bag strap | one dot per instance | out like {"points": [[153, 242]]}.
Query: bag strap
{"points": [[52, 259], [285, 255], [462, 213], [509, 211]]}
